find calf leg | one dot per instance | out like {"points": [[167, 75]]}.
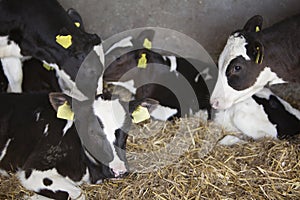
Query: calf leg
{"points": [[12, 68], [50, 184]]}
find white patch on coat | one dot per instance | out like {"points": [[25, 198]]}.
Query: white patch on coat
{"points": [[9, 48], [4, 150], [173, 64], [36, 197], [38, 114], [59, 183], [90, 157], [67, 84], [129, 85], [163, 113], [99, 89], [99, 51], [112, 115], [249, 118], [67, 126], [46, 130], [126, 42], [12, 67]]}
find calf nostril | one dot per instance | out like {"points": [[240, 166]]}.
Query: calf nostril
{"points": [[215, 103]]}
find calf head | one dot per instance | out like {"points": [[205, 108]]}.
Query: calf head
{"points": [[123, 56], [241, 66], [103, 126], [46, 32]]}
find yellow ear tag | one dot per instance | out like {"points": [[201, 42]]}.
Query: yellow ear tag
{"points": [[47, 67], [147, 44], [142, 61], [257, 29], [259, 57], [140, 114], [64, 40], [77, 24], [64, 112]]}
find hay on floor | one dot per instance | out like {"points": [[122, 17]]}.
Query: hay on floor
{"points": [[182, 160]]}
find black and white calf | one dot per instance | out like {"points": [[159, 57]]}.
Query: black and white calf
{"points": [[47, 153], [36, 78], [45, 31], [253, 58], [263, 114], [173, 81]]}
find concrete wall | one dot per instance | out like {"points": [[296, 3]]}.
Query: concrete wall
{"points": [[207, 21]]}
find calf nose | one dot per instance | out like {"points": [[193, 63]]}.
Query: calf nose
{"points": [[119, 173], [214, 103]]}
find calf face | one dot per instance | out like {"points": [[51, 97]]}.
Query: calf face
{"points": [[51, 159], [46, 32], [253, 58]]}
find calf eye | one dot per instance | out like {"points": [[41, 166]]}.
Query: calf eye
{"points": [[237, 68]]}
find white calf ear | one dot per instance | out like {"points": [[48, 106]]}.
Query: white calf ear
{"points": [[254, 24]]}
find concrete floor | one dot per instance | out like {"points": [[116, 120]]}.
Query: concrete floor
{"points": [[209, 22]]}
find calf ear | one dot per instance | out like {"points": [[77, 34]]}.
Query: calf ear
{"points": [[148, 103], [254, 24], [58, 99], [144, 39], [75, 17]]}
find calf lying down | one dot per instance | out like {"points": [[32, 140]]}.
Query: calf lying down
{"points": [[36, 77], [47, 153], [264, 114]]}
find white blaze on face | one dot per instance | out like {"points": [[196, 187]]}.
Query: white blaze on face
{"points": [[224, 95], [112, 115], [99, 51], [9, 48]]}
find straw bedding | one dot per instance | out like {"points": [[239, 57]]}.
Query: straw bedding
{"points": [[182, 160]]}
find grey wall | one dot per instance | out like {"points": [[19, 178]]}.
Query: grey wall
{"points": [[207, 21]]}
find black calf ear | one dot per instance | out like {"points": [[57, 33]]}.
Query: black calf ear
{"points": [[148, 103], [139, 109], [144, 39], [254, 24], [58, 99], [75, 17]]}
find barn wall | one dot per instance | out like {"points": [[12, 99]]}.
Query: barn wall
{"points": [[207, 21]]}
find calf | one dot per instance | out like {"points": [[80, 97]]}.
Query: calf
{"points": [[263, 114], [253, 58], [49, 157], [174, 81], [45, 31]]}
